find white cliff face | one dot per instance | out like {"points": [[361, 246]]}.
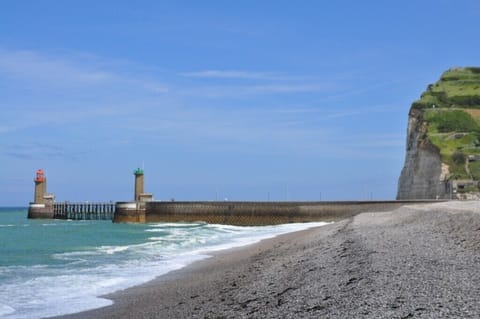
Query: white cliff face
{"points": [[422, 176]]}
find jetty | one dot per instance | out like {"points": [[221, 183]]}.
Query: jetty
{"points": [[84, 211], [249, 213], [143, 209]]}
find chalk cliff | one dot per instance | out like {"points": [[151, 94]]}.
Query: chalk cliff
{"points": [[421, 175], [443, 140]]}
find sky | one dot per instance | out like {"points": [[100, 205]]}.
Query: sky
{"points": [[219, 100]]}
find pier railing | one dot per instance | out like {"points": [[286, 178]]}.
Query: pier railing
{"points": [[84, 211]]}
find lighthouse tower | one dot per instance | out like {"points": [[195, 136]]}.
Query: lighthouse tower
{"points": [[140, 195], [43, 203], [134, 212], [139, 184], [40, 187]]}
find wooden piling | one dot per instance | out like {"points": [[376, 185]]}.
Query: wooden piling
{"points": [[84, 211]]}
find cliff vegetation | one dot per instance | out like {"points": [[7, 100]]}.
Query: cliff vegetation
{"points": [[450, 118]]}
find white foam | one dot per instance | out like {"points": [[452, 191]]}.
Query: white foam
{"points": [[258, 235], [176, 225], [6, 310], [156, 230], [73, 255], [113, 249]]}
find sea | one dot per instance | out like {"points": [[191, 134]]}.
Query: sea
{"points": [[56, 267]]}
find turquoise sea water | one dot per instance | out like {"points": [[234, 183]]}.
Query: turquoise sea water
{"points": [[54, 267]]}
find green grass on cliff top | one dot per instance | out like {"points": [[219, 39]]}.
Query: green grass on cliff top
{"points": [[457, 88], [451, 110], [454, 131]]}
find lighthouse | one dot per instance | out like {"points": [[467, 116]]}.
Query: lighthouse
{"points": [[42, 205], [40, 187], [139, 183], [134, 212], [140, 195]]}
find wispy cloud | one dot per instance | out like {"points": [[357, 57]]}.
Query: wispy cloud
{"points": [[36, 151], [245, 90], [232, 74], [229, 83], [359, 111], [68, 71], [288, 88], [4, 128], [33, 66], [52, 118], [47, 89]]}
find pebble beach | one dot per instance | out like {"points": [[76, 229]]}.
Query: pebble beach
{"points": [[419, 261]]}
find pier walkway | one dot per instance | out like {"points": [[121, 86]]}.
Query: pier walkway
{"points": [[250, 213], [84, 211]]}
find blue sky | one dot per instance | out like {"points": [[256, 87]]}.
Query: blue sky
{"points": [[245, 100]]}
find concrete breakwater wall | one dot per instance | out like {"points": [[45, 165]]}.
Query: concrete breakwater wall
{"points": [[248, 213], [40, 211]]}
